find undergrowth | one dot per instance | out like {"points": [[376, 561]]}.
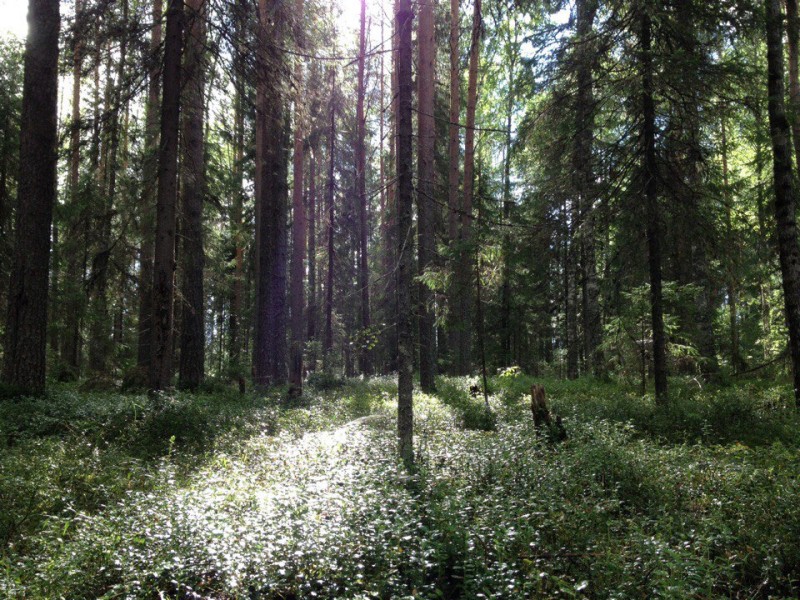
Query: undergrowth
{"points": [[227, 496]]}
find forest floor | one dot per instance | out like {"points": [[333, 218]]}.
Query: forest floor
{"points": [[223, 496]]}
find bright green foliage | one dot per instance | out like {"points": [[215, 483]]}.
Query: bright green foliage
{"points": [[225, 496]]}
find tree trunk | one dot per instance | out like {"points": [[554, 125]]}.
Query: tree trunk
{"points": [[26, 327], [650, 177], [426, 124], [237, 208], [193, 188], [466, 256], [404, 18], [328, 340], [785, 203], [312, 257], [160, 368], [70, 343], [149, 179], [299, 225], [584, 179], [453, 172], [365, 354], [793, 39]]}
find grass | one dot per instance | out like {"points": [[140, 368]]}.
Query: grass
{"points": [[223, 496]]}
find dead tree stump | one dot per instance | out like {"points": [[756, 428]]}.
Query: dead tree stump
{"points": [[542, 419]]}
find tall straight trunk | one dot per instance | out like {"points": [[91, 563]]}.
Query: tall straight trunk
{"points": [[328, 340], [584, 183], [425, 190], [101, 325], [193, 187], [505, 291], [269, 365], [26, 327], [785, 202], [73, 305], [148, 201], [650, 176], [365, 354], [237, 207], [160, 368], [297, 277], [466, 256], [311, 334], [453, 171], [737, 362], [571, 269], [404, 18], [793, 42]]}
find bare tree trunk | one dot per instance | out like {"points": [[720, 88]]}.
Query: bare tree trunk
{"points": [[365, 354], [426, 76], [299, 225], [585, 177], [70, 345], [312, 257], [793, 39], [149, 178], [404, 18], [237, 209], [193, 188], [26, 327], [328, 340], [650, 176], [160, 369], [465, 268], [785, 202], [453, 172]]}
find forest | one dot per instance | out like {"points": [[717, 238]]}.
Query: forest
{"points": [[400, 299]]}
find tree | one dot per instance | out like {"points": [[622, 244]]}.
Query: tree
{"points": [[160, 368], [650, 183], [361, 188], [404, 18], [785, 202], [425, 189], [193, 336], [26, 336]]}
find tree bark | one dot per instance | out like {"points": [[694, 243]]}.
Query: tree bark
{"points": [[404, 18], [650, 179], [365, 354], [160, 368], [453, 172], [584, 180], [26, 327], [237, 208], [426, 124], [328, 339], [191, 368], [149, 179], [793, 41], [297, 286], [785, 202], [312, 257]]}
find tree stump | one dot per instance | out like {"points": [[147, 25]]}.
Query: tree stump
{"points": [[542, 419]]}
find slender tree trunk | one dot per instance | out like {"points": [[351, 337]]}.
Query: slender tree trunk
{"points": [[584, 179], [793, 39], [26, 327], [160, 369], [453, 172], [193, 336], [404, 18], [466, 269], [785, 202], [237, 208], [328, 340], [149, 179], [650, 176], [365, 354], [70, 348], [737, 362], [299, 225], [312, 257], [426, 76], [505, 291]]}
